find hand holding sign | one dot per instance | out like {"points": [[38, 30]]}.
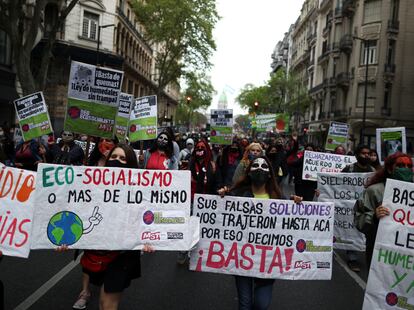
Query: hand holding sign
{"points": [[94, 220]]}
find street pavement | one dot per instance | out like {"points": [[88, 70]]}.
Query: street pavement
{"points": [[51, 280]]}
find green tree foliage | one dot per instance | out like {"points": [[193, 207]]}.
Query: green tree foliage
{"points": [[184, 31], [243, 122]]}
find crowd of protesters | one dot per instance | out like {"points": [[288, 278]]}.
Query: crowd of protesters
{"points": [[246, 168]]}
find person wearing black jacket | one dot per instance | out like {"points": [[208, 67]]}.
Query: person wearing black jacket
{"points": [[277, 157], [66, 152]]}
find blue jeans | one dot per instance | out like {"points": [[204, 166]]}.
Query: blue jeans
{"points": [[254, 293]]}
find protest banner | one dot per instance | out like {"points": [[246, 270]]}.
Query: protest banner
{"points": [[16, 212], [271, 122], [391, 277], [390, 141], [264, 238], [111, 208], [143, 119], [337, 135], [344, 189], [316, 162], [93, 94], [221, 129], [122, 118], [33, 117]]}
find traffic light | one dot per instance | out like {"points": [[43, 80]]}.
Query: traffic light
{"points": [[256, 104], [188, 99]]}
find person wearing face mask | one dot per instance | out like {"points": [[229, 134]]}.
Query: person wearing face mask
{"points": [[67, 152], [100, 152], [369, 209], [259, 182], [277, 157], [252, 151], [228, 161], [363, 164], [340, 150], [161, 155], [185, 154], [375, 163]]}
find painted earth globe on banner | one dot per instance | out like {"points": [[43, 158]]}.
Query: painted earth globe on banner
{"points": [[64, 228]]}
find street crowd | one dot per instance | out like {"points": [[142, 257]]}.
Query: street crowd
{"points": [[247, 167]]}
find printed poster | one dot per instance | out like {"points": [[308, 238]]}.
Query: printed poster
{"points": [[390, 141], [275, 239], [271, 122], [316, 162], [391, 277], [143, 119], [337, 135], [112, 208], [93, 97], [221, 129], [344, 189], [16, 212], [122, 118], [33, 117]]}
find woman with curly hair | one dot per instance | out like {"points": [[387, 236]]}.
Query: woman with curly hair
{"points": [[252, 151]]}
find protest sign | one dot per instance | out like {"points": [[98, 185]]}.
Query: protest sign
{"points": [[390, 141], [16, 212], [264, 238], [122, 118], [93, 94], [143, 120], [271, 122], [111, 208], [337, 135], [344, 189], [316, 162], [221, 122], [391, 277], [33, 117]]}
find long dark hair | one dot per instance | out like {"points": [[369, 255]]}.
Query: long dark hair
{"points": [[96, 155], [245, 183], [169, 151], [130, 156], [384, 172]]}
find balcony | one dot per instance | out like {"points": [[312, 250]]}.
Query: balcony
{"points": [[348, 8], [326, 30], [335, 49], [389, 70], [393, 26], [317, 88], [343, 79], [332, 82], [310, 37], [325, 54], [338, 13], [346, 43]]}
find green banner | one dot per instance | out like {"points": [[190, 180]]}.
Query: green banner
{"points": [[33, 116], [221, 129], [270, 122], [143, 120], [122, 118], [337, 135], [93, 98]]}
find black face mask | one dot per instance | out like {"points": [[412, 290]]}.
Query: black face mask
{"points": [[279, 147], [115, 163], [272, 155], [364, 161], [259, 177]]}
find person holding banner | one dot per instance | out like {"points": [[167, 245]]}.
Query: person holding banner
{"points": [[251, 152], [161, 155], [66, 152], [258, 182], [28, 155], [369, 209]]}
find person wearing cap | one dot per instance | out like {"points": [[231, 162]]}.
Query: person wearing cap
{"points": [[185, 154]]}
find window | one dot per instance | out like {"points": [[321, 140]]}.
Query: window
{"points": [[372, 11], [90, 25], [5, 49], [371, 95], [369, 52]]}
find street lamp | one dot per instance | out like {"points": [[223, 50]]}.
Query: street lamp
{"points": [[99, 39], [364, 111]]}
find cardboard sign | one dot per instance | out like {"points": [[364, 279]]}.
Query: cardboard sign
{"points": [[221, 122], [122, 118], [143, 119], [391, 277], [264, 238], [344, 189], [33, 117], [93, 98], [390, 141], [112, 208], [16, 212], [337, 135], [315, 162]]}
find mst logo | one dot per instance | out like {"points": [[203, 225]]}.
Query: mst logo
{"points": [[151, 235], [300, 264]]}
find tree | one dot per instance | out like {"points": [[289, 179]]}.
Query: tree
{"points": [[243, 122], [23, 20], [251, 94], [183, 31]]}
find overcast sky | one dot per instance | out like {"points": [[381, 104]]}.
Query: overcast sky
{"points": [[246, 36]]}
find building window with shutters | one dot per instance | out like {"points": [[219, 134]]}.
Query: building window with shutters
{"points": [[5, 49], [372, 11], [369, 52], [371, 95], [90, 25]]}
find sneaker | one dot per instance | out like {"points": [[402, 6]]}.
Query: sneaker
{"points": [[82, 300], [354, 266], [182, 258]]}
